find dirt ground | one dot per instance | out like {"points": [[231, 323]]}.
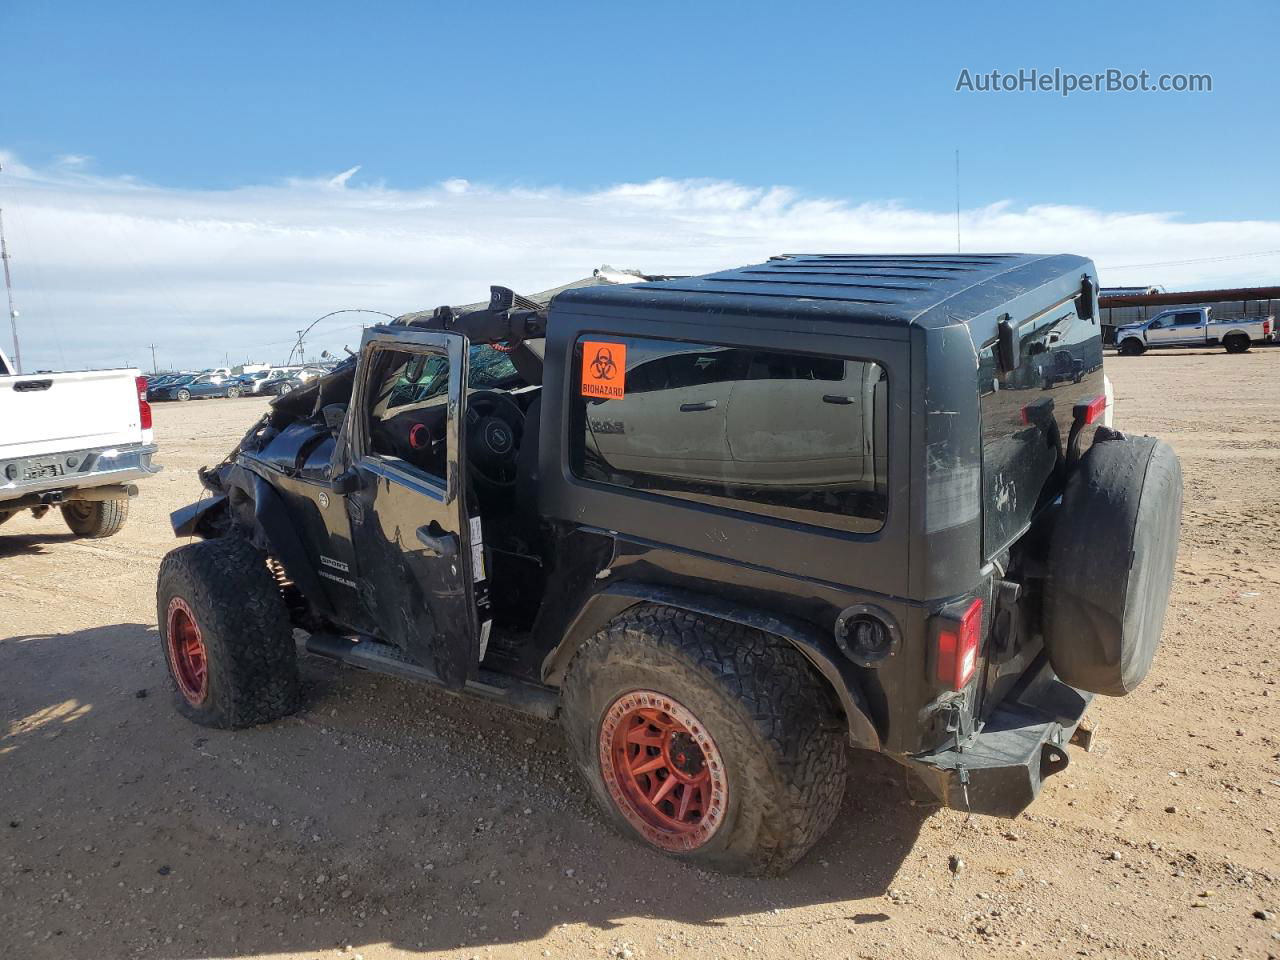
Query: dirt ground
{"points": [[389, 820]]}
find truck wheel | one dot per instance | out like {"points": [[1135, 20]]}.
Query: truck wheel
{"points": [[184, 395], [707, 740], [1133, 347], [226, 635], [96, 518], [1236, 343]]}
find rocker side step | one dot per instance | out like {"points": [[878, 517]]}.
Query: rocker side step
{"points": [[512, 692]]}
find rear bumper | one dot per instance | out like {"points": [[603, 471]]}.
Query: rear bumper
{"points": [[1002, 767], [75, 469]]}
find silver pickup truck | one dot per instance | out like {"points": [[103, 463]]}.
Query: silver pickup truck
{"points": [[1194, 327]]}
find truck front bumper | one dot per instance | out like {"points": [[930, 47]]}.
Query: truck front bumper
{"points": [[47, 475], [1000, 769]]}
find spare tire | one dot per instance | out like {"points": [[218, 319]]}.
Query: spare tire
{"points": [[1111, 561]]}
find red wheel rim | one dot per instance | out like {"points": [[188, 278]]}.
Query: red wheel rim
{"points": [[188, 660], [663, 770]]}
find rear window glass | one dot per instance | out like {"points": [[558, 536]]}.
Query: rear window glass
{"points": [[787, 435]]}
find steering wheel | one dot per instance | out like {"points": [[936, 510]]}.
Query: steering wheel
{"points": [[495, 429]]}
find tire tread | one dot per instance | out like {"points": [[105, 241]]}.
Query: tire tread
{"points": [[245, 626], [779, 696]]}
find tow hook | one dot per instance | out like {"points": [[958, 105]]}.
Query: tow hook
{"points": [[958, 720]]}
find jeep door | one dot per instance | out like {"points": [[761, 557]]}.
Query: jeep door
{"points": [[408, 518]]}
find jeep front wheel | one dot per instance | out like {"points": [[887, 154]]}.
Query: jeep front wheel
{"points": [[707, 740], [226, 635]]}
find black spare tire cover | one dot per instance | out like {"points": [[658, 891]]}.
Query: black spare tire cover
{"points": [[1111, 562]]}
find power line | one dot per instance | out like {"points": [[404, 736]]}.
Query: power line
{"points": [[1178, 263]]}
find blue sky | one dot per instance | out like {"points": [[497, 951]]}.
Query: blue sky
{"points": [[850, 99], [223, 173]]}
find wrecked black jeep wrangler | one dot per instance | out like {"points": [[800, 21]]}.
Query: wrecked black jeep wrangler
{"points": [[722, 526]]}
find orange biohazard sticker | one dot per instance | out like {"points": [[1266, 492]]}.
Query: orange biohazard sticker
{"points": [[604, 369]]}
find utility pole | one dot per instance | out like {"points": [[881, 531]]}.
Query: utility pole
{"points": [[8, 288], [154, 368]]}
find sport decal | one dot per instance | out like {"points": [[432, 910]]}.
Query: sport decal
{"points": [[604, 369]]}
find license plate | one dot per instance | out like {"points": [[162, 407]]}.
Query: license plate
{"points": [[42, 471]]}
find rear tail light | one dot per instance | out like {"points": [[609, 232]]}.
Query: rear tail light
{"points": [[1266, 327], [959, 639], [144, 408], [1091, 412]]}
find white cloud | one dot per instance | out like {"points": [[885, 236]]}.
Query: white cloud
{"points": [[105, 266]]}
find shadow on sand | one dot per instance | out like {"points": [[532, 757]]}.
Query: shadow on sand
{"points": [[383, 813]]}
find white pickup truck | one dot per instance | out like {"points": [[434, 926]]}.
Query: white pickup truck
{"points": [[1194, 327], [75, 441]]}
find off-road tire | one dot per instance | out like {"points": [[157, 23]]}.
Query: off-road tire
{"points": [[95, 519], [1132, 348], [775, 721], [182, 395], [5, 515], [244, 625], [1236, 343]]}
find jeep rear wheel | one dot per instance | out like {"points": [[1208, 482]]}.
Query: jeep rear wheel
{"points": [[707, 740], [226, 635], [95, 519]]}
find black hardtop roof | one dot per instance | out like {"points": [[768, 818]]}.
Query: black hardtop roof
{"points": [[931, 290]]}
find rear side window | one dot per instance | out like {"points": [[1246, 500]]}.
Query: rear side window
{"points": [[786, 435]]}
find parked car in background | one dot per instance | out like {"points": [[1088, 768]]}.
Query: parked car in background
{"points": [[279, 385], [291, 381], [196, 387], [1194, 327], [155, 384], [75, 441], [253, 383]]}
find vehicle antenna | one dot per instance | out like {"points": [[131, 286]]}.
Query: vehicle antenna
{"points": [[957, 200]]}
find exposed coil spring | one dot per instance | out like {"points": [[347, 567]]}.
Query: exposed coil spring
{"points": [[289, 592]]}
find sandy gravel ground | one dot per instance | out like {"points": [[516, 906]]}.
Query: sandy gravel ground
{"points": [[389, 820]]}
